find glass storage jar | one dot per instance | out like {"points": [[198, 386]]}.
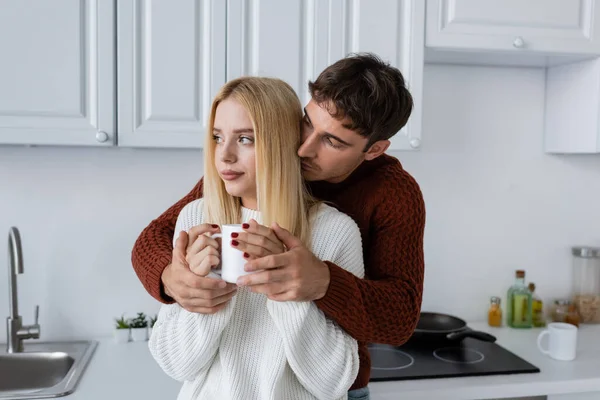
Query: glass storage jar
{"points": [[586, 283]]}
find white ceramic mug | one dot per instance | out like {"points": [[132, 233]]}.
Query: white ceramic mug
{"points": [[562, 341], [232, 259]]}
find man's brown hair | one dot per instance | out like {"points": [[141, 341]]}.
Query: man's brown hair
{"points": [[368, 91]]}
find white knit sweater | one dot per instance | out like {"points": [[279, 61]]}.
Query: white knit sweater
{"points": [[256, 348]]}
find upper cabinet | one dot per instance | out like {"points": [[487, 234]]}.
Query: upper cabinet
{"points": [[296, 40], [57, 72], [545, 26], [143, 73], [171, 63]]}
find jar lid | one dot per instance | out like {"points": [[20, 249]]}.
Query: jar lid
{"points": [[586, 252], [562, 302]]}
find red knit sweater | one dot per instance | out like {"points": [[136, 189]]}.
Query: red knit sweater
{"points": [[387, 204]]}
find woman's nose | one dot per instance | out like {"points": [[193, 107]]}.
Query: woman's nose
{"points": [[228, 154]]}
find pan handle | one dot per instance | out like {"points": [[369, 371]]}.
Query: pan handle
{"points": [[486, 337]]}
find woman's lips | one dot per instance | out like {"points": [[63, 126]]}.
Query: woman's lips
{"points": [[231, 175]]}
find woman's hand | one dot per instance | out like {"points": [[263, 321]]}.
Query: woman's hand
{"points": [[203, 253], [257, 241]]}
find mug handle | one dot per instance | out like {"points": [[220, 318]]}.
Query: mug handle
{"points": [[539, 341]]}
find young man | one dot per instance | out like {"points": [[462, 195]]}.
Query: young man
{"points": [[357, 105]]}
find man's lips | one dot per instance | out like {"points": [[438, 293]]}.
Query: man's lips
{"points": [[306, 166]]}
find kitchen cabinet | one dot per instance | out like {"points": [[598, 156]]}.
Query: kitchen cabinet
{"points": [[57, 72], [542, 26], [296, 40], [572, 110], [143, 73], [171, 63]]}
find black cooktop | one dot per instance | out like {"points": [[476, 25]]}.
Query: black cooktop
{"points": [[422, 360]]}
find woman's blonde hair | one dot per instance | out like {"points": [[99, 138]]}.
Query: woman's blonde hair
{"points": [[276, 115]]}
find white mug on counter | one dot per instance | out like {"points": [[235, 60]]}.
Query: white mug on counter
{"points": [[562, 341], [232, 259]]}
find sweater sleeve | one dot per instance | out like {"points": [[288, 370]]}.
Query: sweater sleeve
{"points": [[184, 344], [384, 307], [323, 357], [152, 250]]}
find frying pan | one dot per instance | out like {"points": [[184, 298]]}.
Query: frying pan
{"points": [[435, 326]]}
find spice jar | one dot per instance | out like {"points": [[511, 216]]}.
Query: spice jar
{"points": [[565, 311], [560, 310], [495, 312], [586, 283], [572, 316]]}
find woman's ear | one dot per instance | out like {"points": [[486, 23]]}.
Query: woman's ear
{"points": [[377, 149]]}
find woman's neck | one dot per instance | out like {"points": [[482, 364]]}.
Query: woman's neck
{"points": [[249, 203]]}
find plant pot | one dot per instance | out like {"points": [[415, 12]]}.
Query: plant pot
{"points": [[139, 334], [121, 335], [150, 332]]}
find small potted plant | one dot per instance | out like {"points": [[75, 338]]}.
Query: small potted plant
{"points": [[122, 330], [139, 328], [151, 323]]}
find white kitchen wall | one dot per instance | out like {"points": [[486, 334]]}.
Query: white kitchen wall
{"points": [[495, 203]]}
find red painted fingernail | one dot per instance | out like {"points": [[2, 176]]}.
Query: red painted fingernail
{"points": [[246, 255], [234, 243], [234, 235], [245, 226], [215, 226]]}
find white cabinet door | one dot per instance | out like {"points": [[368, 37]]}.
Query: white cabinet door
{"points": [[57, 81], [267, 38], [295, 40], [394, 30], [545, 26], [171, 63]]}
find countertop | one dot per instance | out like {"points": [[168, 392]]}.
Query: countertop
{"points": [[127, 371]]}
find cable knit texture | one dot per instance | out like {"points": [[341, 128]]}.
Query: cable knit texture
{"points": [[256, 348], [387, 204]]}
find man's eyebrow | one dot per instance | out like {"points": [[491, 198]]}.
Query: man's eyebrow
{"points": [[331, 135]]}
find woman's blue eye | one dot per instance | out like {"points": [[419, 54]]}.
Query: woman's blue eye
{"points": [[217, 138], [246, 140]]}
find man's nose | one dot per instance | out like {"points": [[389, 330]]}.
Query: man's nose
{"points": [[308, 149]]}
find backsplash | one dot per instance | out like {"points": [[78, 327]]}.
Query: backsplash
{"points": [[495, 203]]}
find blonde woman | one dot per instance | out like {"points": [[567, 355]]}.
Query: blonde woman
{"points": [[257, 348]]}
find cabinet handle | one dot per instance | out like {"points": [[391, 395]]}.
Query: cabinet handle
{"points": [[415, 143], [518, 42], [101, 136]]}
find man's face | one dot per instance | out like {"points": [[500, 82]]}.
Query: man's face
{"points": [[329, 151]]}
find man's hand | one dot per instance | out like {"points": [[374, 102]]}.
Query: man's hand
{"points": [[192, 292], [257, 241], [295, 275]]}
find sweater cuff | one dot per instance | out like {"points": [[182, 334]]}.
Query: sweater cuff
{"points": [[334, 302], [154, 283]]}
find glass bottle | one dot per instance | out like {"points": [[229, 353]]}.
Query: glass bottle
{"points": [[495, 312], [586, 283], [519, 303], [537, 308]]}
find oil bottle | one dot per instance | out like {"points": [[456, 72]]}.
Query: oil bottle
{"points": [[519, 303]]}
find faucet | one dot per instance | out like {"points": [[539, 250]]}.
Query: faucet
{"points": [[16, 332]]}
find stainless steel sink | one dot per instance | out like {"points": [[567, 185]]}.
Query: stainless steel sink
{"points": [[43, 370]]}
